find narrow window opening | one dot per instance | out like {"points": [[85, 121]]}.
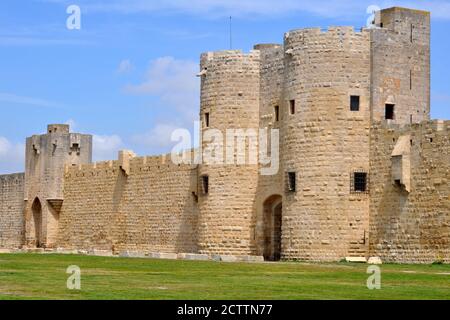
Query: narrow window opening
{"points": [[75, 148], [398, 183], [292, 181], [381, 25], [205, 184], [389, 114], [292, 107], [412, 30], [431, 140], [354, 103], [410, 79], [277, 113], [410, 118], [207, 119], [360, 182]]}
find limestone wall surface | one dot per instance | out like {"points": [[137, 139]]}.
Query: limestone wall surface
{"points": [[11, 210], [230, 94], [270, 186], [152, 209], [45, 158], [324, 142], [411, 226], [401, 65]]}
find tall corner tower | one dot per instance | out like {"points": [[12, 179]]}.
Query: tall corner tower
{"points": [[45, 159], [325, 121], [230, 96], [401, 66]]}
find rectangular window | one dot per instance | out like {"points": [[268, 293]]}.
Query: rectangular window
{"points": [[207, 119], [205, 184], [292, 106], [360, 182], [277, 113], [292, 181], [389, 114], [354, 103]]}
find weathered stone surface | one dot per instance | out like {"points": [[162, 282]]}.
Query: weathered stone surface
{"points": [[162, 255], [374, 260], [356, 259], [100, 253], [12, 230], [228, 258], [132, 254], [193, 256]]}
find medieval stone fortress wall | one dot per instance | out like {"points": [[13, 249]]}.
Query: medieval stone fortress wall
{"points": [[362, 170]]}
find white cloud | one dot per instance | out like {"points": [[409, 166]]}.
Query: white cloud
{"points": [[265, 8], [13, 98], [125, 66], [175, 83], [72, 124], [12, 156], [177, 88], [106, 147], [157, 137]]}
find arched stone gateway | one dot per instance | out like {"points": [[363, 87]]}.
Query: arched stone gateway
{"points": [[36, 209], [272, 228]]}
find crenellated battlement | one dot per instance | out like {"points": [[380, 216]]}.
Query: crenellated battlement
{"points": [[13, 178], [137, 164], [330, 31]]}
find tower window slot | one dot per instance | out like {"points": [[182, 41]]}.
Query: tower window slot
{"points": [[292, 181], [207, 119], [360, 182], [389, 114], [205, 184], [292, 106], [354, 103]]}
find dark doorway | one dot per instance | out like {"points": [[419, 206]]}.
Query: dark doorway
{"points": [[36, 208], [272, 228]]}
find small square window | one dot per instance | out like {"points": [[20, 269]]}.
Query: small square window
{"points": [[292, 106], [389, 114], [360, 182], [205, 184], [207, 119], [277, 113], [354, 103], [292, 181]]}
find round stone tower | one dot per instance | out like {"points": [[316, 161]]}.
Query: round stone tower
{"points": [[46, 156], [324, 130], [228, 175]]}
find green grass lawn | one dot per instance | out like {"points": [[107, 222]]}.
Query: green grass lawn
{"points": [[37, 276]]}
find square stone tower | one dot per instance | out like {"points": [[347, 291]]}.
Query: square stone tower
{"points": [[46, 156], [401, 66]]}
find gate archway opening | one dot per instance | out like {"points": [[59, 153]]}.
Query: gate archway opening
{"points": [[36, 209], [272, 228]]}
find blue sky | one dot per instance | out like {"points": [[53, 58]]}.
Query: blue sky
{"points": [[128, 76]]}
